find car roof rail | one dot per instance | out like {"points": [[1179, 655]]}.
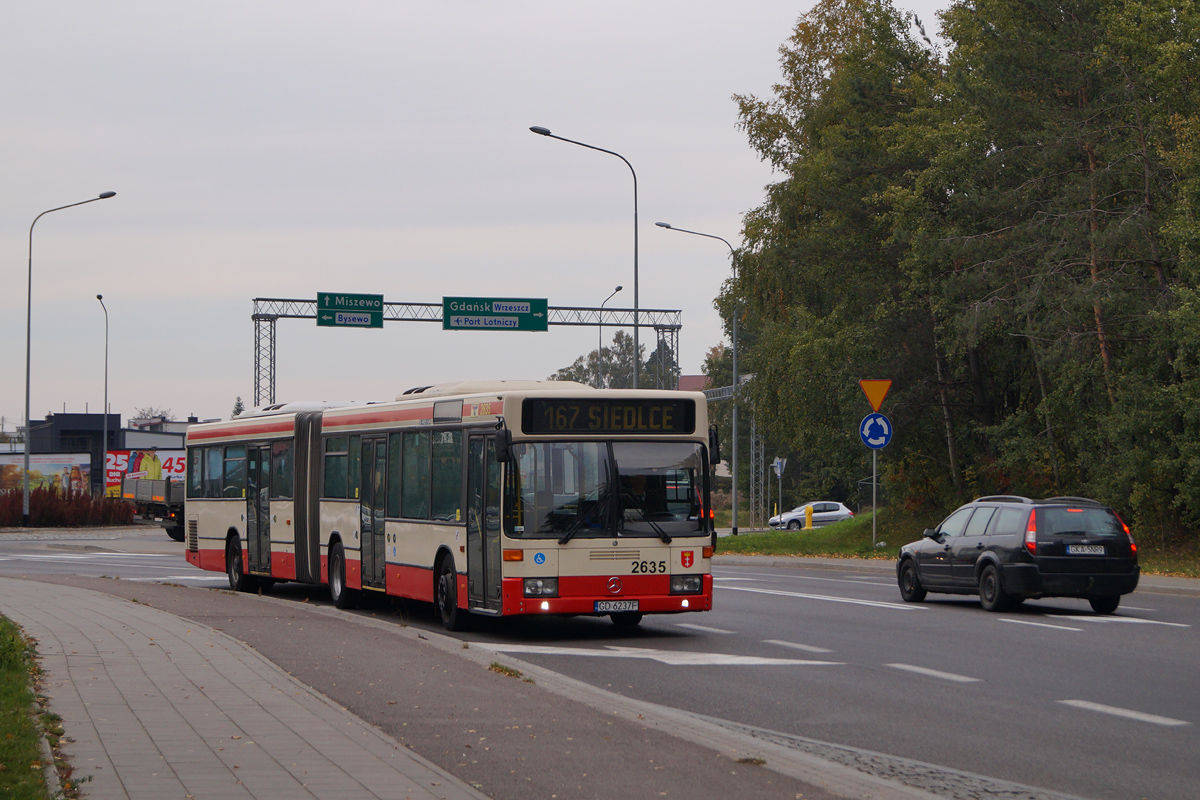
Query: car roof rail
{"points": [[1087, 500], [1002, 498]]}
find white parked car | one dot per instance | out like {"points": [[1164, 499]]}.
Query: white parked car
{"points": [[825, 512]]}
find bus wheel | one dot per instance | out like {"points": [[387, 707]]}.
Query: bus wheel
{"points": [[446, 597], [626, 619], [239, 581], [341, 596]]}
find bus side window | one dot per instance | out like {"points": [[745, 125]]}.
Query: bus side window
{"points": [[195, 472], [393, 471], [336, 466], [234, 480], [415, 482], [212, 471], [447, 476], [281, 470]]}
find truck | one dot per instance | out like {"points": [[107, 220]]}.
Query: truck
{"points": [[158, 500]]}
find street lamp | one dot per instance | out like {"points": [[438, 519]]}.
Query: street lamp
{"points": [[734, 458], [600, 342], [637, 355], [28, 330], [104, 409]]}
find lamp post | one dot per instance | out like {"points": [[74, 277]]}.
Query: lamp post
{"points": [[28, 350], [637, 355], [104, 409], [600, 341], [734, 458]]}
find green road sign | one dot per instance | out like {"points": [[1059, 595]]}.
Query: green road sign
{"points": [[493, 314], [340, 310]]}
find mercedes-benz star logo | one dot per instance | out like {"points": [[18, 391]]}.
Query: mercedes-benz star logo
{"points": [[614, 585]]}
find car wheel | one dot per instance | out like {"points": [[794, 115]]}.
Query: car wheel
{"points": [[239, 581], [446, 597], [911, 590], [991, 593], [341, 596], [794, 525], [626, 619], [1106, 604]]}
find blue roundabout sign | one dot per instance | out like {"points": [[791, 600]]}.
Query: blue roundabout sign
{"points": [[875, 430]]}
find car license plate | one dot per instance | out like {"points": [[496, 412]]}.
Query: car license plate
{"points": [[1085, 549], [616, 605]]}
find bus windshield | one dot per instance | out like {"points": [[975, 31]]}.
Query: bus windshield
{"points": [[568, 490]]}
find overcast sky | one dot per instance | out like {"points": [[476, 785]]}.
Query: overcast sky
{"points": [[270, 149]]}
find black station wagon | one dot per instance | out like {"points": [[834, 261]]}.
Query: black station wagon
{"points": [[1009, 549]]}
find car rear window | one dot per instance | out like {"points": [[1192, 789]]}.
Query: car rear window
{"points": [[1012, 521], [1064, 521]]}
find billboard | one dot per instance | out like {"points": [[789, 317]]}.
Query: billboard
{"points": [[69, 471], [151, 463]]}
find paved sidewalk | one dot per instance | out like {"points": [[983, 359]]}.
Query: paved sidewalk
{"points": [[157, 706]]}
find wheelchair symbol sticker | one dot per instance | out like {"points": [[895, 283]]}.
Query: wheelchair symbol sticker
{"points": [[540, 558]]}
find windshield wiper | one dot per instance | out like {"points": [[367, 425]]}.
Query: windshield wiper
{"points": [[661, 533], [575, 528], [577, 525]]}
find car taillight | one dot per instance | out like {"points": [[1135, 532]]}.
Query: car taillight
{"points": [[851, 513], [1031, 533], [1128, 535]]}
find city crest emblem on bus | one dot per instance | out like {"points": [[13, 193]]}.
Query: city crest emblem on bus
{"points": [[687, 557]]}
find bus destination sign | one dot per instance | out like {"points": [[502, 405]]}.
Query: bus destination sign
{"points": [[608, 416], [340, 310], [494, 314]]}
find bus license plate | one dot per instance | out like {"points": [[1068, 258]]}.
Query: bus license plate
{"points": [[616, 605], [1085, 549]]}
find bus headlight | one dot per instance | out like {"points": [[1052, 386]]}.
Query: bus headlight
{"points": [[541, 587], [686, 584]]}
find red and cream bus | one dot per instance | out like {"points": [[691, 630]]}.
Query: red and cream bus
{"points": [[496, 498]]}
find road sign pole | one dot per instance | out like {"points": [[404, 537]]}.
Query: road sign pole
{"points": [[874, 482]]}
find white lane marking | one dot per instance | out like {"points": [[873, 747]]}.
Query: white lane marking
{"points": [[751, 580], [1135, 608], [674, 658], [830, 598], [808, 648], [213, 578], [1040, 624], [933, 673], [702, 628], [1131, 620], [864, 580], [1153, 719], [90, 556]]}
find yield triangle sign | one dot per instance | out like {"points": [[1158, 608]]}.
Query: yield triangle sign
{"points": [[875, 392]]}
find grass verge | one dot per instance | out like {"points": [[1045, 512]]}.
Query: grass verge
{"points": [[21, 768], [894, 528]]}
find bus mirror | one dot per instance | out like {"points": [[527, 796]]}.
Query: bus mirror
{"points": [[503, 444], [714, 445]]}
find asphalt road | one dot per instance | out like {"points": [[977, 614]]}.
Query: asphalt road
{"points": [[817, 659]]}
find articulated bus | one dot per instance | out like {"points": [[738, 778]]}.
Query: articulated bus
{"points": [[492, 499]]}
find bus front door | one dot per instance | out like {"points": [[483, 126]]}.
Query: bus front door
{"points": [[258, 508], [373, 501], [483, 524]]}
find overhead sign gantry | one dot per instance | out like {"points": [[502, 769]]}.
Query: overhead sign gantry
{"points": [[267, 310]]}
